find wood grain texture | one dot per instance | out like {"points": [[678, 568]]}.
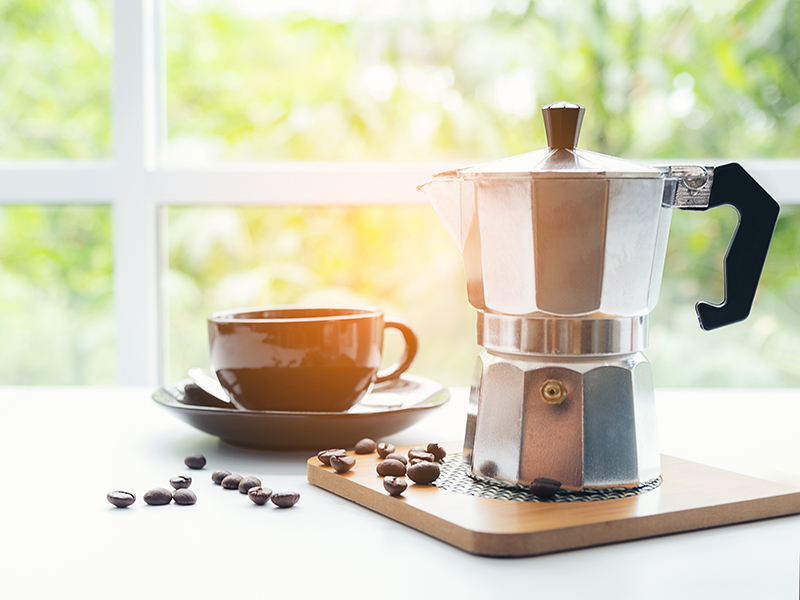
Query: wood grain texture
{"points": [[692, 496]]}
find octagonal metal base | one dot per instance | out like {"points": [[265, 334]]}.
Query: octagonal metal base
{"points": [[586, 423]]}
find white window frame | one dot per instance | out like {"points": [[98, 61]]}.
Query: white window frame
{"points": [[135, 186]]}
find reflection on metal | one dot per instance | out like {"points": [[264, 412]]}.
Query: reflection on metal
{"points": [[602, 432], [472, 409], [569, 231], [694, 183], [545, 335], [568, 248], [498, 430]]}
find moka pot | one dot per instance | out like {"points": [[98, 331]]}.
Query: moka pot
{"points": [[563, 253]]}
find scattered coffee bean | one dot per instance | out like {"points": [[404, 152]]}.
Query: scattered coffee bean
{"points": [[385, 449], [391, 466], [180, 482], [397, 456], [365, 446], [285, 499], [545, 488], [422, 455], [248, 482], [416, 449], [195, 461], [342, 464], [414, 461], [325, 455], [184, 497], [218, 476], [423, 472], [394, 485], [259, 495], [158, 497], [437, 450], [231, 482], [121, 499]]}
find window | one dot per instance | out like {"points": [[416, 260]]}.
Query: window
{"points": [[268, 152]]}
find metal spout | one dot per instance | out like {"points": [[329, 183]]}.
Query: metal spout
{"points": [[453, 199]]}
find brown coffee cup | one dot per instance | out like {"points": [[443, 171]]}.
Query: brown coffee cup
{"points": [[298, 358]]}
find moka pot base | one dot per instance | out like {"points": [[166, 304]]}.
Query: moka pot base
{"points": [[565, 399], [691, 496]]}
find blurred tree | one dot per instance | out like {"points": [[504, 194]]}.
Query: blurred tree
{"points": [[55, 79], [420, 80], [56, 305]]}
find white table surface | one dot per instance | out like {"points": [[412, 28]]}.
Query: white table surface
{"points": [[63, 449]]}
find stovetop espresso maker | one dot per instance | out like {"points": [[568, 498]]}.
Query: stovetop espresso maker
{"points": [[564, 252]]}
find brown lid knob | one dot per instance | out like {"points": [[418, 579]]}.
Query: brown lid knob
{"points": [[562, 124]]}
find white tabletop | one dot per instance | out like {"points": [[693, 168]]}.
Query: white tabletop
{"points": [[63, 449]]}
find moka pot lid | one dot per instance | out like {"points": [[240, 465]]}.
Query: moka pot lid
{"points": [[562, 158]]}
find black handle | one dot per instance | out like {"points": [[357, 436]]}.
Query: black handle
{"points": [[746, 254]]}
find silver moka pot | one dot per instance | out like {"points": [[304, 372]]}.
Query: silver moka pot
{"points": [[564, 252]]}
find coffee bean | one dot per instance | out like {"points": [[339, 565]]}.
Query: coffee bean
{"points": [[438, 452], [416, 449], [121, 499], [488, 468], [195, 461], [385, 449], [184, 497], [218, 476], [325, 455], [394, 485], [545, 488], [259, 495], [423, 472], [365, 446], [158, 497], [421, 454], [231, 482], [391, 466], [285, 499], [248, 482], [414, 461], [180, 482], [342, 464], [397, 456]]}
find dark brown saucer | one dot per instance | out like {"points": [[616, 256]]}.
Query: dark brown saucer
{"points": [[390, 407]]}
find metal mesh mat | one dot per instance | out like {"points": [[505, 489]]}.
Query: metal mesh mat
{"points": [[456, 477]]}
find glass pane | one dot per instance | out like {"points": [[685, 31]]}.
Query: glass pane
{"points": [[55, 69], [56, 301], [429, 79], [402, 260], [763, 350]]}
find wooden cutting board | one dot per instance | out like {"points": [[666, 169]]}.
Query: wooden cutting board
{"points": [[691, 496]]}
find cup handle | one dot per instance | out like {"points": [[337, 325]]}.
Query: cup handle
{"points": [[412, 345]]}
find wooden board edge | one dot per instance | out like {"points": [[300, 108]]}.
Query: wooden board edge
{"points": [[635, 528], [399, 510]]}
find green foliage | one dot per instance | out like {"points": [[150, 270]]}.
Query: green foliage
{"points": [[426, 82], [55, 79], [56, 305], [762, 351]]}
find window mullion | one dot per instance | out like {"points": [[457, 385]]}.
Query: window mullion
{"points": [[134, 217]]}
